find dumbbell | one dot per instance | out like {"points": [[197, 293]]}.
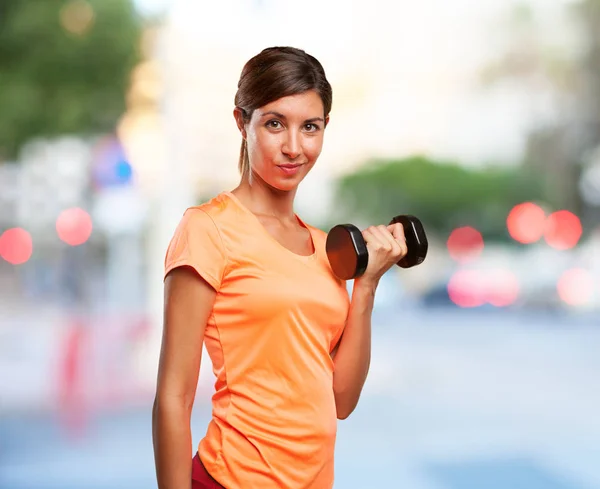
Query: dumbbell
{"points": [[347, 251]]}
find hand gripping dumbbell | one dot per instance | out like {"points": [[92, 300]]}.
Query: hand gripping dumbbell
{"points": [[347, 250]]}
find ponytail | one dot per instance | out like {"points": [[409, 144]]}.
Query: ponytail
{"points": [[244, 162]]}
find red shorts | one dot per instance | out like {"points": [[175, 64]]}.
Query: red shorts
{"points": [[201, 479]]}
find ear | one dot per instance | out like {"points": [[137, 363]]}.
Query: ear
{"points": [[326, 120], [239, 120]]}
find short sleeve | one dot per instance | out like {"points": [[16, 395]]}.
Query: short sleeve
{"points": [[197, 243]]}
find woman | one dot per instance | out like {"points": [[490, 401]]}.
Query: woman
{"points": [[245, 275]]}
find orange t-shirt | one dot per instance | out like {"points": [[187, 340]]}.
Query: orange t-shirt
{"points": [[276, 318]]}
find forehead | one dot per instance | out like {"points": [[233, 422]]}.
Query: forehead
{"points": [[302, 105]]}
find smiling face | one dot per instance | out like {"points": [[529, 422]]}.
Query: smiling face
{"points": [[285, 138]]}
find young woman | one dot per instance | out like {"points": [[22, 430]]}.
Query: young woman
{"points": [[246, 276]]}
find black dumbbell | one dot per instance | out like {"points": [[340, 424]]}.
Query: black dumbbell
{"points": [[347, 250]]}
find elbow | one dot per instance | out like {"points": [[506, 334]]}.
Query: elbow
{"points": [[345, 412], [159, 405], [341, 415], [346, 398], [171, 406], [344, 408]]}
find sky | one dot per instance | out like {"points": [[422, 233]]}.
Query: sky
{"points": [[405, 72], [151, 6]]}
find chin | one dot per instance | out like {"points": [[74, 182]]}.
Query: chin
{"points": [[285, 185]]}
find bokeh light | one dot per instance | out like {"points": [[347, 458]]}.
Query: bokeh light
{"points": [[16, 246], [502, 287], [110, 167], [465, 244], [563, 230], [465, 288], [123, 171], [575, 287], [77, 17], [526, 222], [74, 226], [473, 288]]}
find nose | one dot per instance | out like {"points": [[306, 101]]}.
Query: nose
{"points": [[291, 145]]}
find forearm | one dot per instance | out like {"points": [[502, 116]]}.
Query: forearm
{"points": [[353, 356], [172, 439]]}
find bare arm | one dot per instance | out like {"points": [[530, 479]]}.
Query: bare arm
{"points": [[352, 357], [188, 304], [386, 246]]}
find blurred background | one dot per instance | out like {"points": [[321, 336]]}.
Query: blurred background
{"points": [[481, 118]]}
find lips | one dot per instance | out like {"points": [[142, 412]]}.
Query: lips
{"points": [[289, 169]]}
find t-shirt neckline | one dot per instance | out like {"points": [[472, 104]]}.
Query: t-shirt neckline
{"points": [[311, 257]]}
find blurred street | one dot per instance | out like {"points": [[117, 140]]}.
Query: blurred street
{"points": [[482, 119], [455, 400]]}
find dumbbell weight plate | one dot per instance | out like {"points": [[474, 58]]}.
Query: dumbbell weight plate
{"points": [[346, 251], [416, 240]]}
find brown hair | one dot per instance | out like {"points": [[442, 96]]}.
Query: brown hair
{"points": [[274, 73]]}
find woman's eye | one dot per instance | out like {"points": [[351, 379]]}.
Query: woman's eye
{"points": [[274, 124], [311, 127]]}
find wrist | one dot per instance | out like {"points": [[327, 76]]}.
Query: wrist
{"points": [[365, 285]]}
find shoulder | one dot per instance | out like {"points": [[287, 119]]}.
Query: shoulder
{"points": [[319, 236], [314, 231], [212, 213], [198, 242], [215, 207], [204, 224], [317, 232]]}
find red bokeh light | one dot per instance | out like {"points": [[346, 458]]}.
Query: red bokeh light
{"points": [[74, 226], [563, 230], [526, 222], [16, 246], [575, 286], [503, 287], [474, 288], [465, 244], [465, 288]]}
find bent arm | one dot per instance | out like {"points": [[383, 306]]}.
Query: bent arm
{"points": [[352, 356], [188, 304]]}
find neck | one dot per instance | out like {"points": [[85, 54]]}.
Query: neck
{"points": [[261, 198]]}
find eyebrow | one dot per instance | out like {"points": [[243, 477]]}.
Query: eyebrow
{"points": [[281, 116]]}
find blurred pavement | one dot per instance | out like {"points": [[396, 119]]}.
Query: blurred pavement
{"points": [[455, 400]]}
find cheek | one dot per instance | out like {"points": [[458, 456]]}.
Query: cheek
{"points": [[264, 146], [313, 147]]}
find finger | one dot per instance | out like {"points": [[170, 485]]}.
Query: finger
{"points": [[397, 231], [385, 234], [374, 238], [391, 247]]}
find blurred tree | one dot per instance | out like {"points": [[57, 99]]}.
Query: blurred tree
{"points": [[443, 195], [64, 67], [565, 68], [550, 68]]}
